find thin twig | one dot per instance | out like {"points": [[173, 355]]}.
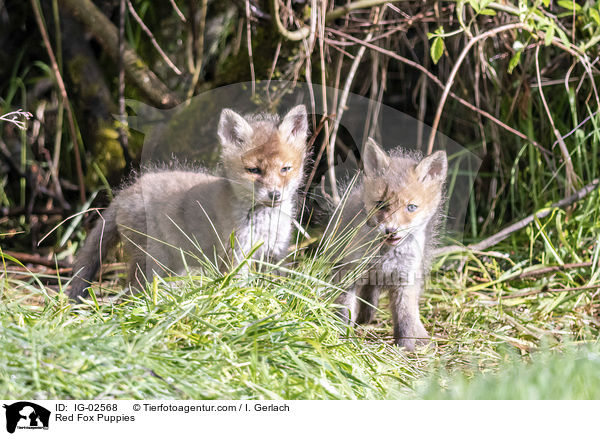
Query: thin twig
{"points": [[577, 127], [571, 176], [551, 269], [540, 291], [249, 41], [438, 82], [106, 33], [309, 46], [327, 144], [147, 31], [319, 155], [458, 63], [303, 32], [340, 112], [63, 91], [272, 70], [178, 11], [292, 35], [423, 90], [123, 138], [517, 12], [200, 50], [35, 259], [360, 4], [338, 118]]}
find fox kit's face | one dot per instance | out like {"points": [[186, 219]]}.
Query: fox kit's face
{"points": [[264, 159], [399, 193]]}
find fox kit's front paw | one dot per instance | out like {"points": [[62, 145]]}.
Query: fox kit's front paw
{"points": [[418, 336], [422, 337], [411, 343]]}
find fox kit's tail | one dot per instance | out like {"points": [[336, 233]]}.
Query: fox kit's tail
{"points": [[103, 236]]}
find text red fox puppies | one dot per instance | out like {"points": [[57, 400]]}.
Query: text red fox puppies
{"points": [[397, 205]]}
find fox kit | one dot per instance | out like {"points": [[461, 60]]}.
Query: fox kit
{"points": [[397, 205], [167, 213]]}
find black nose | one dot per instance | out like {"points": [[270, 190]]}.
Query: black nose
{"points": [[275, 195], [389, 231]]}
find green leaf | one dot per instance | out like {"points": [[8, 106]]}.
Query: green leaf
{"points": [[568, 4], [549, 35], [437, 49], [595, 15], [514, 61], [475, 5], [487, 12], [546, 3], [564, 14], [563, 37]]}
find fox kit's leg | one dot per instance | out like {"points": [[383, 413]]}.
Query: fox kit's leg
{"points": [[135, 271], [103, 236], [349, 304], [368, 299], [359, 303], [408, 328]]}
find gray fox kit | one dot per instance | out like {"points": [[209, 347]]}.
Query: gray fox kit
{"points": [[396, 208], [166, 213]]}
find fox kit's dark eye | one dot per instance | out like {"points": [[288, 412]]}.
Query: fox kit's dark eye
{"points": [[411, 207], [381, 204], [253, 170], [285, 169]]}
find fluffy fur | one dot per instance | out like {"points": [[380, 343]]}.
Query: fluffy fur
{"points": [[164, 214], [396, 208]]}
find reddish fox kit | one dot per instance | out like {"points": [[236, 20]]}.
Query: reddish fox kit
{"points": [[397, 205], [164, 214]]}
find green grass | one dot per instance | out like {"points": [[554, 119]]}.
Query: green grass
{"points": [[266, 336], [219, 339], [504, 325], [572, 375]]}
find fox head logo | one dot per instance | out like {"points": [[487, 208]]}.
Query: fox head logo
{"points": [[401, 194], [263, 158]]}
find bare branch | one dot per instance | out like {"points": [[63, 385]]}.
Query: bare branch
{"points": [[178, 11], [304, 31], [147, 31], [506, 232], [571, 176], [292, 35], [105, 32], [199, 50], [458, 63], [249, 42], [361, 4], [123, 138], [338, 117], [439, 83], [63, 91]]}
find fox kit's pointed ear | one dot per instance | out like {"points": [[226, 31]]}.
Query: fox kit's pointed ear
{"points": [[433, 167], [294, 127], [234, 131], [375, 160]]}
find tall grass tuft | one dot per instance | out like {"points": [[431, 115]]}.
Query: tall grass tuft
{"points": [[255, 337]]}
